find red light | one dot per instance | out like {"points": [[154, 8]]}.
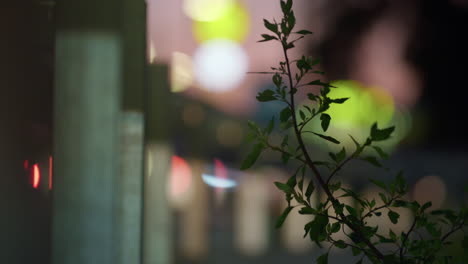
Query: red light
{"points": [[26, 164], [50, 172], [36, 176], [220, 169]]}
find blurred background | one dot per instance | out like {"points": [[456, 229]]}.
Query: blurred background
{"points": [[401, 62]]}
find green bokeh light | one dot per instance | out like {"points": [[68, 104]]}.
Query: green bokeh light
{"points": [[232, 25], [356, 116], [364, 107]]}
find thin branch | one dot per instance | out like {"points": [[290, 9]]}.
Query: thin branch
{"points": [[453, 230], [276, 148], [406, 237], [339, 168], [265, 72]]}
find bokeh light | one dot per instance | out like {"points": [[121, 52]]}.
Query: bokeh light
{"points": [[217, 182], [356, 116], [231, 24], [180, 181], [220, 65], [206, 10], [252, 218], [430, 189], [51, 166], [229, 134], [181, 72], [364, 106], [151, 53], [36, 176], [193, 114]]}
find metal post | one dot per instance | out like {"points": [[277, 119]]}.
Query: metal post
{"points": [[86, 118]]}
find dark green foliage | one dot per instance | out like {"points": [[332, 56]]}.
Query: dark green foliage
{"points": [[429, 234]]}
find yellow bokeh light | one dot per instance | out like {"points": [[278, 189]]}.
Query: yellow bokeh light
{"points": [[233, 25], [181, 72], [206, 10]]}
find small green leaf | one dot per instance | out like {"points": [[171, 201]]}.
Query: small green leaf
{"points": [[312, 97], [266, 96], [339, 100], [351, 211], [335, 227], [425, 206], [310, 189], [284, 187], [285, 157], [325, 121], [356, 251], [267, 37], [270, 126], [285, 114], [334, 187], [381, 134], [277, 80], [270, 26], [338, 207], [383, 198], [282, 218], [286, 6], [393, 216], [323, 259], [381, 153], [400, 183], [319, 83], [303, 116], [340, 244], [331, 139], [284, 143], [253, 156], [290, 46], [308, 109], [292, 181], [291, 21], [318, 227], [304, 32], [372, 160], [378, 184], [340, 156], [307, 211]]}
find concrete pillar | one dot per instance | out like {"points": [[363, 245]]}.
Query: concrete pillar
{"points": [[157, 217], [86, 120]]}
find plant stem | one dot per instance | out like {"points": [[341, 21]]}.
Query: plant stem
{"points": [[310, 163]]}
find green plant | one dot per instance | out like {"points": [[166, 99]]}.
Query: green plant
{"points": [[423, 242]]}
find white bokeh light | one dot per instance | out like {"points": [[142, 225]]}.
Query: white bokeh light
{"points": [[220, 65]]}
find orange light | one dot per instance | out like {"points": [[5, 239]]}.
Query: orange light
{"points": [[36, 176], [50, 172]]}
